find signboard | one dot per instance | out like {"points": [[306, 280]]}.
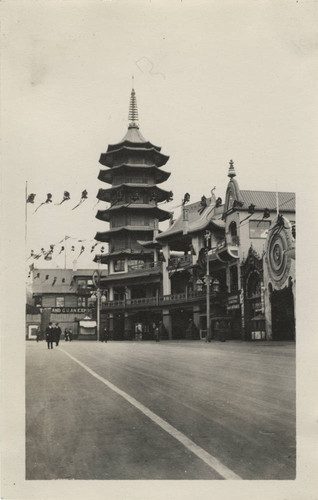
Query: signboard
{"points": [[69, 310], [232, 307], [233, 303]]}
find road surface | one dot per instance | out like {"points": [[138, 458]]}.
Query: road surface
{"points": [[168, 410]]}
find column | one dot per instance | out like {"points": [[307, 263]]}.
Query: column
{"points": [[268, 312], [110, 293], [166, 319], [111, 325], [165, 273], [128, 333]]}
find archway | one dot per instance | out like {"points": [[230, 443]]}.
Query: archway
{"points": [[283, 317]]}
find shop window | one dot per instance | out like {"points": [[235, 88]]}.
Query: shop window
{"points": [[234, 279], [119, 265], [59, 302], [81, 301], [259, 228]]}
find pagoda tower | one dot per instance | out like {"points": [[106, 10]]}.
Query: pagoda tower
{"points": [[133, 171]]}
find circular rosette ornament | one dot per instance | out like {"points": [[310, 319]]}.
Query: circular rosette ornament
{"points": [[278, 260]]}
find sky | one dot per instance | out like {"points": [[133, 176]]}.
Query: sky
{"points": [[214, 81]]}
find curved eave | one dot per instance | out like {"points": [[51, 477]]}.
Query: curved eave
{"points": [[149, 244], [227, 254], [107, 158], [106, 236], [216, 223], [108, 175], [105, 194], [104, 259], [158, 213], [131, 144], [171, 232]]}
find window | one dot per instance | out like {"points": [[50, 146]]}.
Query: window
{"points": [[135, 264], [233, 229], [82, 283], [59, 301], [254, 285], [137, 220], [119, 244], [118, 220], [259, 228], [119, 265], [233, 279], [233, 233], [81, 301]]}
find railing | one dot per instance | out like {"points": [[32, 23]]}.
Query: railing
{"points": [[146, 266], [142, 301], [232, 239], [191, 296], [235, 240], [183, 261]]}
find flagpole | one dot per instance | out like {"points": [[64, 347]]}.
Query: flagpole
{"points": [[65, 253], [26, 214]]}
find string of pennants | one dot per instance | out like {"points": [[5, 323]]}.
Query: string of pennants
{"points": [[49, 199], [58, 248]]}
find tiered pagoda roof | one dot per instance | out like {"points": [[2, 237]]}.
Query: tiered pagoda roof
{"points": [[133, 171]]}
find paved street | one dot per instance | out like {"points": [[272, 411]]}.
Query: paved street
{"points": [[172, 410]]}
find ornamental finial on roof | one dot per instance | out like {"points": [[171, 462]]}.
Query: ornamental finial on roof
{"points": [[231, 172], [133, 110]]}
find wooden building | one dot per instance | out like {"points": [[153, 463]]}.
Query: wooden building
{"points": [[62, 296]]}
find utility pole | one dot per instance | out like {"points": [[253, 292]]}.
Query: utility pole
{"points": [[207, 282]]}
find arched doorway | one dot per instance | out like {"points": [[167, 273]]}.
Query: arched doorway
{"points": [[283, 317]]}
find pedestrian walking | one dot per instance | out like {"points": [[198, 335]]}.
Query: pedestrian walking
{"points": [[105, 335], [157, 335], [38, 335], [58, 333], [70, 335], [162, 330], [49, 334]]}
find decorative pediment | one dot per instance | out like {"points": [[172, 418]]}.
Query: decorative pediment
{"points": [[252, 261], [233, 198]]}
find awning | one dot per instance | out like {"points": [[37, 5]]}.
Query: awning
{"points": [[88, 324]]}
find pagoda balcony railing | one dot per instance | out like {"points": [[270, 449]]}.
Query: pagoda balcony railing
{"points": [[146, 266], [183, 261], [160, 301]]}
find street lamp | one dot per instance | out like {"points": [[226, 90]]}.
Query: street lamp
{"points": [[208, 280], [100, 298]]}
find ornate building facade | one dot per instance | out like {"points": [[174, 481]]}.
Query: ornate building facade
{"points": [[237, 248]]}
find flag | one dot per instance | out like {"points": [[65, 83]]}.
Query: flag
{"points": [[66, 197], [83, 198], [48, 200], [30, 198]]}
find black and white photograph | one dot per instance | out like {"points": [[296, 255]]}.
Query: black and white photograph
{"points": [[157, 157]]}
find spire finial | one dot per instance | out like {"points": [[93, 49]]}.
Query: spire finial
{"points": [[133, 110], [231, 172]]}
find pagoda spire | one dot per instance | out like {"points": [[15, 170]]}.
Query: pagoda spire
{"points": [[133, 110]]}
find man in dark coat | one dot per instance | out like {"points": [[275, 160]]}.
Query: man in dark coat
{"points": [[49, 334], [57, 333]]}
